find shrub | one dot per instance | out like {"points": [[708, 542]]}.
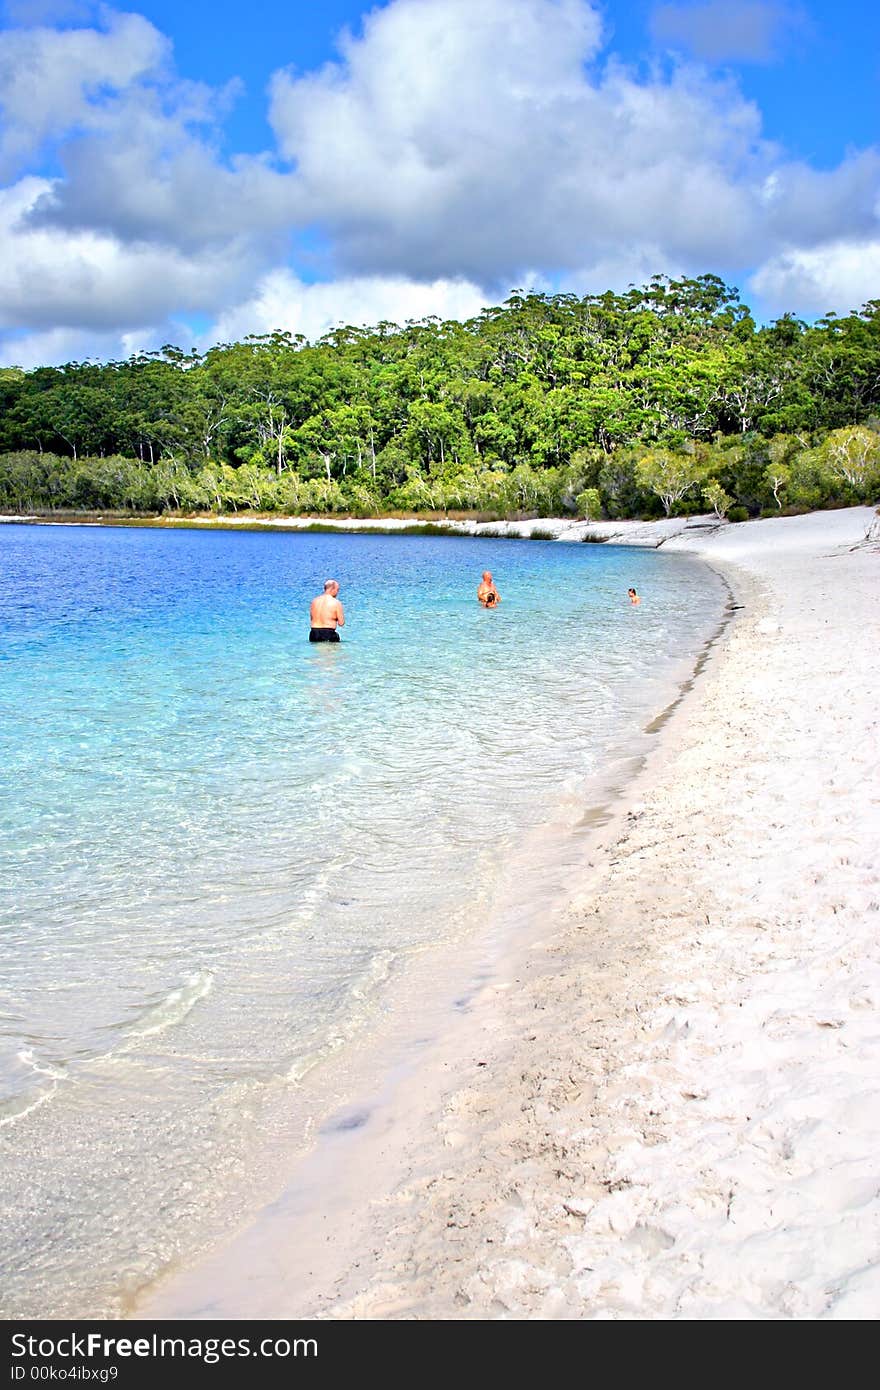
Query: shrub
{"points": [[738, 514]]}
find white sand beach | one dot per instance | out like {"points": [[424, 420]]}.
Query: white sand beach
{"points": [[666, 1104]]}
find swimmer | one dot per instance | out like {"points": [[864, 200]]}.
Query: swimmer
{"points": [[487, 594], [325, 614], [633, 596]]}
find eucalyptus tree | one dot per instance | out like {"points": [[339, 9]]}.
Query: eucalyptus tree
{"points": [[536, 402], [670, 475], [852, 455]]}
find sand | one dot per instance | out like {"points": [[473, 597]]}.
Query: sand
{"points": [[666, 1101]]}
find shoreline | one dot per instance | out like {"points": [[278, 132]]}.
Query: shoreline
{"points": [[668, 1106], [628, 531]]}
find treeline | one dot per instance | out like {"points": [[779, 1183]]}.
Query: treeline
{"points": [[665, 398]]}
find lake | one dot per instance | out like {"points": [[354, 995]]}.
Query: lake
{"points": [[220, 844]]}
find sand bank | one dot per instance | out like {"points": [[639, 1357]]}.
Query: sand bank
{"points": [[667, 1104], [651, 534]]}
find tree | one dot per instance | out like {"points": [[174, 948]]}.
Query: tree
{"points": [[778, 471], [853, 455], [670, 476], [715, 497], [589, 504], [530, 405]]}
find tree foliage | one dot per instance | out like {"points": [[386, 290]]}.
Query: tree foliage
{"points": [[661, 399]]}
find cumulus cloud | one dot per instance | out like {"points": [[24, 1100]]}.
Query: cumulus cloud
{"points": [[807, 206], [838, 277], [159, 184], [136, 143], [282, 301], [50, 278], [727, 30], [52, 346], [629, 264], [442, 144], [52, 81], [439, 144], [452, 150]]}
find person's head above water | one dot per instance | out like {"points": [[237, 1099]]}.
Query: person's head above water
{"points": [[331, 587], [487, 575]]}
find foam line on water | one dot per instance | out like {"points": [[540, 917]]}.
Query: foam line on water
{"points": [[168, 1012], [11, 1111]]}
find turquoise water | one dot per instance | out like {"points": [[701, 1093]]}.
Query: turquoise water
{"points": [[219, 843]]}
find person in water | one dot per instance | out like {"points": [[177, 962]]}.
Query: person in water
{"points": [[633, 596], [487, 594], [326, 615]]}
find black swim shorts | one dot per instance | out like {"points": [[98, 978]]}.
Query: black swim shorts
{"points": [[323, 634]]}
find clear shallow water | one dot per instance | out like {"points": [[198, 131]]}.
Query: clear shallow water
{"points": [[217, 842]]}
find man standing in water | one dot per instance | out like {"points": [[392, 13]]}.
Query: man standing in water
{"points": [[326, 614], [487, 594]]}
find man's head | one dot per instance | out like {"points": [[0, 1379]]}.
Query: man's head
{"points": [[487, 577], [331, 587]]}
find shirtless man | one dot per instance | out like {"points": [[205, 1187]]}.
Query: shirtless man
{"points": [[326, 614], [633, 597], [487, 594]]}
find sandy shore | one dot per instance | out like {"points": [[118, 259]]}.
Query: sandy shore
{"points": [[667, 1103], [650, 534]]}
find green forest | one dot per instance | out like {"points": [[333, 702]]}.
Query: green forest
{"points": [[666, 399]]}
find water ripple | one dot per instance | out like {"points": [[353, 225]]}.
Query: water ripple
{"points": [[217, 842]]}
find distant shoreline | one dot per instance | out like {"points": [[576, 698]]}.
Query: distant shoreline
{"points": [[651, 534]]}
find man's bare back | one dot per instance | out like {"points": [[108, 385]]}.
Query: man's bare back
{"points": [[326, 614]]}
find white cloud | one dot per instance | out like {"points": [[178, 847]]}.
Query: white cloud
{"points": [[453, 150], [627, 265], [153, 182], [53, 80], [51, 278], [284, 302], [53, 346], [839, 276], [807, 206], [136, 143], [454, 139]]}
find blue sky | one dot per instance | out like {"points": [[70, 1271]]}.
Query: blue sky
{"points": [[193, 173]]}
